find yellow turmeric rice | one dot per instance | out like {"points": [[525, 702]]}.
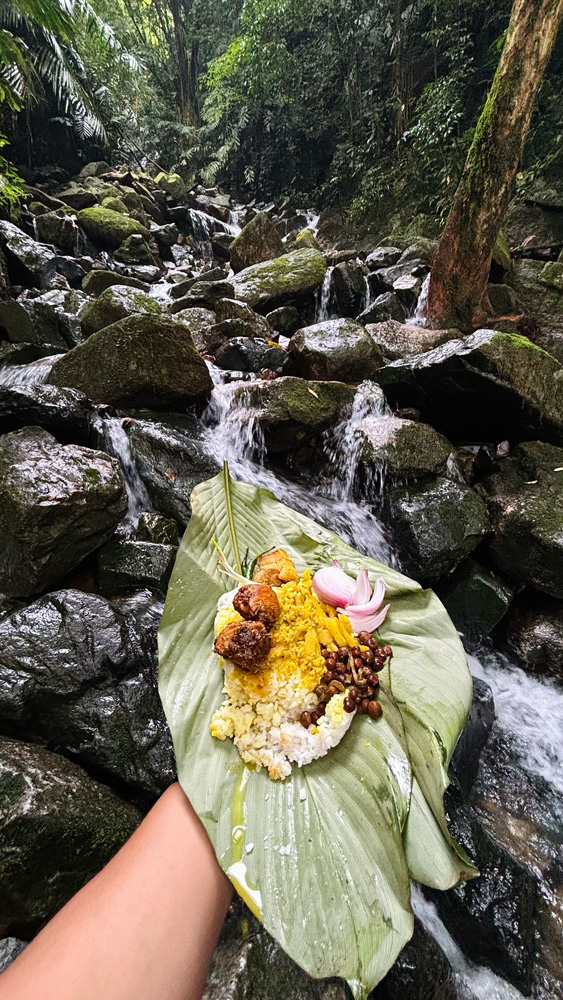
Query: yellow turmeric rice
{"points": [[261, 711]]}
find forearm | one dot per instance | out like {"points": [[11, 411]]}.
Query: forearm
{"points": [[143, 929]]}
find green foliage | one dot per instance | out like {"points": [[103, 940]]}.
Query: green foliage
{"points": [[11, 186]]}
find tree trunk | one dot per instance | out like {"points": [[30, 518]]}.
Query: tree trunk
{"points": [[188, 113], [457, 295]]}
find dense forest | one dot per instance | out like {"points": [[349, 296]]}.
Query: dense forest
{"points": [[367, 106]]}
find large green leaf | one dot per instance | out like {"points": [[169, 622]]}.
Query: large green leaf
{"points": [[323, 858]]}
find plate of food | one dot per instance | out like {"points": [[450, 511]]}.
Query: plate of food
{"points": [[315, 697]]}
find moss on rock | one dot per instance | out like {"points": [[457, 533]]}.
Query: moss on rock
{"points": [[108, 229], [275, 282]]}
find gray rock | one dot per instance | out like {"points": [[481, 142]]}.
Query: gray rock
{"points": [[541, 301], [59, 828], [383, 257], [386, 306], [108, 229], [203, 293], [250, 354], [401, 340], [524, 496], [197, 319], [10, 948], [134, 250], [259, 241], [171, 462], [98, 280], [154, 527], [337, 350], [59, 229], [95, 168], [141, 360], [166, 236], [407, 289], [233, 309], [289, 410], [274, 283], [71, 270], [29, 263], [421, 972], [132, 565], [435, 525], [183, 287], [57, 504], [503, 300], [515, 388], [80, 675], [76, 196], [115, 303], [475, 598], [464, 765], [284, 320], [28, 323], [534, 630]]}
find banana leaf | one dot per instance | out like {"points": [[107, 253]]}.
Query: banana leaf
{"points": [[324, 858]]}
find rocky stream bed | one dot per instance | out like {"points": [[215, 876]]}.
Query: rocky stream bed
{"points": [[147, 333]]}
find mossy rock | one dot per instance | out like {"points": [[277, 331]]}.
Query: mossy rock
{"points": [[306, 238], [134, 250], [275, 282], [139, 361], [336, 350], [515, 388], [172, 184], [154, 527], [390, 447], [475, 598], [291, 410], [98, 280], [115, 303], [109, 229], [115, 204], [501, 255], [552, 276], [258, 241]]}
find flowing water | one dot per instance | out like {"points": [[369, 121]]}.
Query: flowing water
{"points": [[33, 373], [324, 298], [117, 444]]}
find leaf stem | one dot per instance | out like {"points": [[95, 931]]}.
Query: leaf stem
{"points": [[229, 502]]}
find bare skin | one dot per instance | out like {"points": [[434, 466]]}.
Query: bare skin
{"points": [[143, 929]]}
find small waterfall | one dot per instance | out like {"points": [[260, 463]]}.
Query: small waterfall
{"points": [[204, 226], [473, 982], [419, 317], [233, 433], [312, 220], [117, 444], [323, 297], [235, 219], [33, 373]]}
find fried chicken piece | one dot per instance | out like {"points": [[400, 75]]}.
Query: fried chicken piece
{"points": [[245, 643], [275, 568], [257, 602]]}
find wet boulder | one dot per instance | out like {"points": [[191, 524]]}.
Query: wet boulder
{"points": [[401, 340], [534, 630], [434, 525], [421, 972], [125, 565], [390, 446], [289, 410], [80, 675], [383, 257], [275, 282], [139, 361], [67, 414], [57, 504], [59, 828], [251, 354], [31, 322], [10, 948], [284, 320], [464, 765], [204, 293], [524, 496], [183, 286], [115, 303], [257, 242], [154, 527], [30, 263], [172, 184], [492, 917], [515, 388], [348, 287], [171, 461], [59, 229], [108, 229], [98, 280], [475, 598], [335, 350], [385, 307]]}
